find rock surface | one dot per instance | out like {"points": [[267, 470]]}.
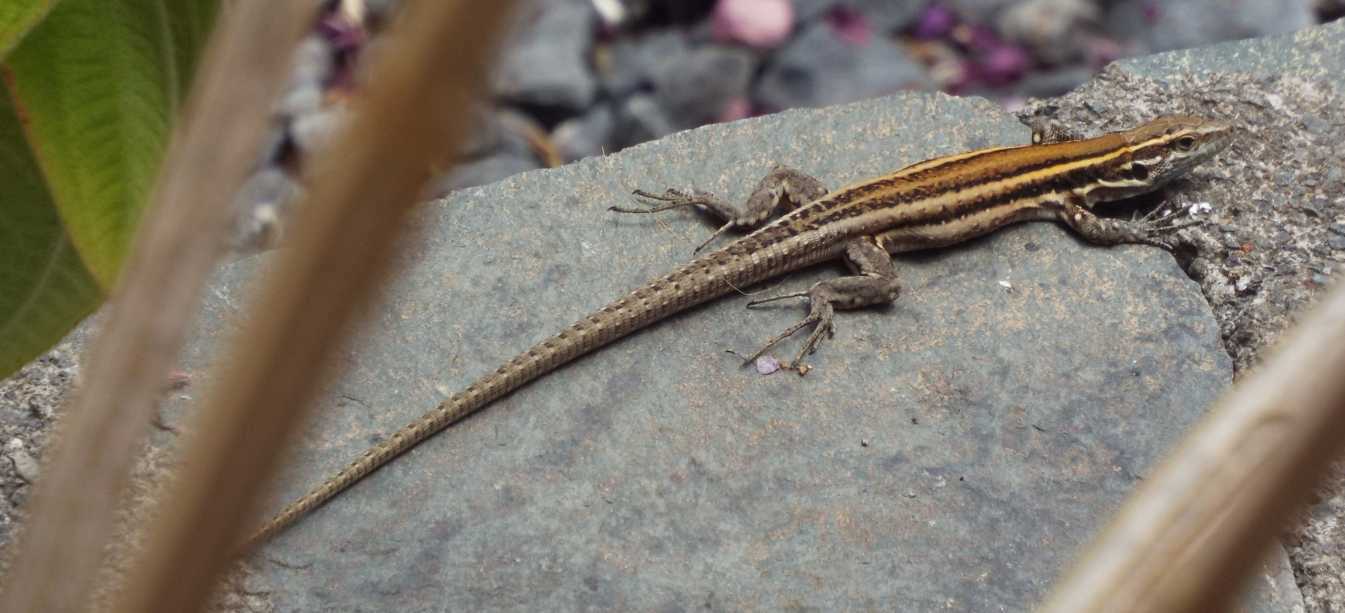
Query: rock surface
{"points": [[952, 451]]}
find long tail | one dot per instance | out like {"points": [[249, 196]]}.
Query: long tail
{"points": [[679, 290]]}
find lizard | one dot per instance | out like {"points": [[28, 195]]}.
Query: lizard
{"points": [[931, 204]]}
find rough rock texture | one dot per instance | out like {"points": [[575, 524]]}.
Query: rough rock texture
{"points": [[952, 451], [1276, 232]]}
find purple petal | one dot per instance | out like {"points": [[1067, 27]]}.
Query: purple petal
{"points": [[936, 21], [1004, 64], [850, 25]]}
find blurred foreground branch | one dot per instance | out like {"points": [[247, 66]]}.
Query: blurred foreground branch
{"points": [[71, 513], [415, 112], [1194, 530]]}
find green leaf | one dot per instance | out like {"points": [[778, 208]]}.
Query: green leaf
{"points": [[16, 18], [98, 83], [44, 288]]}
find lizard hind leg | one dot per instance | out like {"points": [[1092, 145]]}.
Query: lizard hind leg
{"points": [[875, 283], [784, 188]]}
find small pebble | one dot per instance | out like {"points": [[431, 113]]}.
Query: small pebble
{"points": [[301, 100], [312, 62], [767, 364], [312, 131], [24, 464]]}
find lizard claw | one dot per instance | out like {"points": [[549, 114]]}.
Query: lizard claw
{"points": [[670, 199], [1155, 228]]}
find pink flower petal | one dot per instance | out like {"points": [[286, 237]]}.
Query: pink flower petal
{"points": [[758, 23]]}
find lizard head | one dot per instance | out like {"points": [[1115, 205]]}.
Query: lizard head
{"points": [[1158, 152]]}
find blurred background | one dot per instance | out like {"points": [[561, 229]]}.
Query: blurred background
{"points": [[581, 78]]}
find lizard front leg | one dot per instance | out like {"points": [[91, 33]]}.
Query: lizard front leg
{"points": [[875, 283], [783, 188], [1147, 230]]}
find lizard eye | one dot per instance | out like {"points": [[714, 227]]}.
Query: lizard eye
{"points": [[1139, 171], [1185, 143]]}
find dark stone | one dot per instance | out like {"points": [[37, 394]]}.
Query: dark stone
{"points": [[640, 118], [820, 68], [691, 85], [883, 16], [675, 11], [1050, 83], [586, 136], [546, 64], [485, 134], [657, 473], [696, 89], [630, 64], [980, 11], [261, 206], [1162, 25]]}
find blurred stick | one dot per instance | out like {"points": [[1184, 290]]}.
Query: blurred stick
{"points": [[1194, 530], [415, 111], [71, 513]]}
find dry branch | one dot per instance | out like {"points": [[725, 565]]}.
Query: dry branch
{"points": [[71, 515], [1195, 529], [414, 113]]}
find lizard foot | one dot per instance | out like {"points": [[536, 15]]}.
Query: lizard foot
{"points": [[676, 199], [1155, 228], [820, 316]]}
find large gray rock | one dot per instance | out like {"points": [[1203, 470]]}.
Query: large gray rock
{"points": [[950, 452]]}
